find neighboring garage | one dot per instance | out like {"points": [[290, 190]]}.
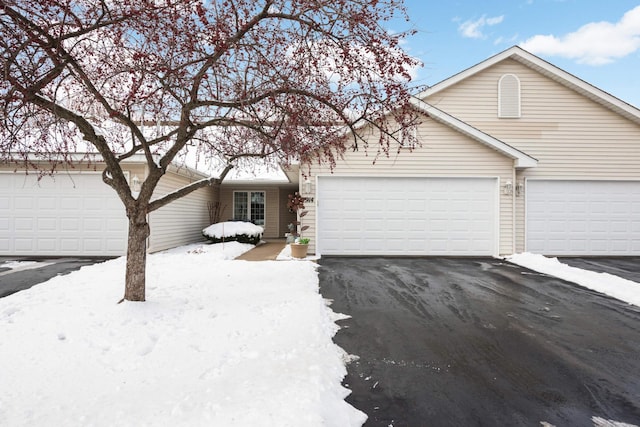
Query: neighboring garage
{"points": [[583, 217], [64, 214], [407, 216], [76, 214]]}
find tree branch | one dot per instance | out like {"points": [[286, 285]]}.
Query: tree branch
{"points": [[158, 203]]}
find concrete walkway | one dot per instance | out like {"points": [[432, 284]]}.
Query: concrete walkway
{"points": [[264, 252]]}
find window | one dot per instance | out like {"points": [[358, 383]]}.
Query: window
{"points": [[249, 206], [509, 96]]}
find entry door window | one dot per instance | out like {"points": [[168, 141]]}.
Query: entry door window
{"points": [[249, 206]]}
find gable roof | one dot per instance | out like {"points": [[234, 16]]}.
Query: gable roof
{"points": [[549, 70], [522, 160]]}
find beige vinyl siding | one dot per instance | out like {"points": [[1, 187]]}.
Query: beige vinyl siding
{"points": [[444, 153], [139, 170], [570, 135], [272, 206], [181, 221]]}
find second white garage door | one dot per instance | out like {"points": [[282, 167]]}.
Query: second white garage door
{"points": [[583, 217], [407, 216], [68, 214]]}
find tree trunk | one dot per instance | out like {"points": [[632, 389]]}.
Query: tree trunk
{"points": [[136, 257]]}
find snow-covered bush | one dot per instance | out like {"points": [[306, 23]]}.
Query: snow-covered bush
{"points": [[234, 231]]}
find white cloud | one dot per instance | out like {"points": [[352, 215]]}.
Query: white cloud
{"points": [[596, 43], [473, 29]]}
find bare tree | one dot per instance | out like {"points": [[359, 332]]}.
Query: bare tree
{"points": [[224, 79]]}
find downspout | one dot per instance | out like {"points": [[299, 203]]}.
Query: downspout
{"points": [[514, 194]]}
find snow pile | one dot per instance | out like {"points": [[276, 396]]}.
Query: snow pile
{"points": [[617, 287], [232, 228], [218, 342]]}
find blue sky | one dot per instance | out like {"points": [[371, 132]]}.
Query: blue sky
{"points": [[595, 40]]}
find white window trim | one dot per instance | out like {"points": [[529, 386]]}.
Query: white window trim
{"points": [[248, 192]]}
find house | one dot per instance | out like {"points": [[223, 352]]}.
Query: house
{"points": [[73, 213], [515, 155]]}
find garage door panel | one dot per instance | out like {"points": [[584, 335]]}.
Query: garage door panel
{"points": [[114, 245], [69, 224], [46, 245], [47, 203], [619, 228], [574, 227], [23, 203], [620, 208], [417, 216], [417, 226], [568, 217], [47, 224], [92, 245], [24, 245], [395, 225], [70, 204], [395, 205], [70, 245], [24, 224], [116, 226], [92, 225], [93, 203]]}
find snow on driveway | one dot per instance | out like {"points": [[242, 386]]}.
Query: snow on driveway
{"points": [[218, 342]]}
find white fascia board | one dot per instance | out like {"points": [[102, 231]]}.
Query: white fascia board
{"points": [[569, 80], [522, 160], [466, 73], [136, 159], [80, 157]]}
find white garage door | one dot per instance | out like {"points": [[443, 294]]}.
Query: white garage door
{"points": [[68, 214], [583, 217], [407, 216]]}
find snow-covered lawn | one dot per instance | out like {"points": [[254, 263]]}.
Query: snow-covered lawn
{"points": [[218, 343], [617, 287]]}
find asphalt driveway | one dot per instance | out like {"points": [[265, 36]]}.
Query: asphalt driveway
{"points": [[481, 342], [17, 274]]}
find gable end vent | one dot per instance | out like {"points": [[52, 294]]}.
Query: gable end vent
{"points": [[509, 96]]}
